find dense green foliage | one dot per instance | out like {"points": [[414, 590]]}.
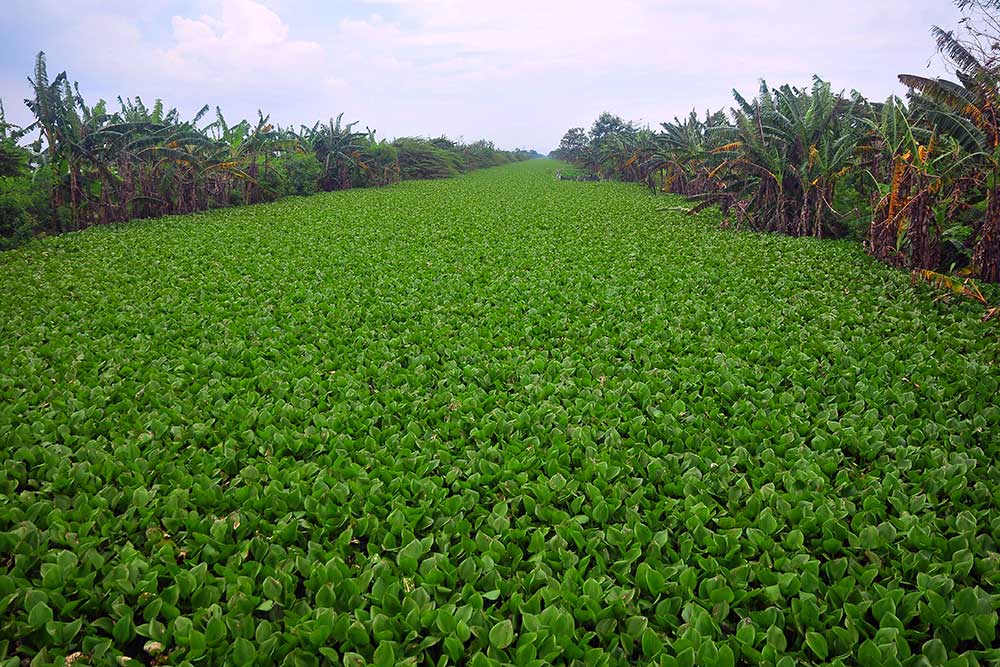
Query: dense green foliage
{"points": [[919, 182], [16, 191], [420, 158], [90, 165], [442, 157], [495, 419]]}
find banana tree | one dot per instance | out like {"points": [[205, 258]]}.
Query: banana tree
{"points": [[377, 161], [973, 101], [683, 160], [336, 146], [626, 156], [782, 157], [48, 106]]}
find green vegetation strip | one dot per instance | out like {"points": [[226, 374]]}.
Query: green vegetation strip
{"points": [[495, 419]]}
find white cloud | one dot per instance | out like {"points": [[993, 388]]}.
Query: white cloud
{"points": [[242, 44], [108, 42], [527, 32]]}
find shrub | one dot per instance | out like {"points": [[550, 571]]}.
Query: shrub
{"points": [[482, 154], [378, 164], [13, 158], [302, 172], [16, 224], [420, 158]]}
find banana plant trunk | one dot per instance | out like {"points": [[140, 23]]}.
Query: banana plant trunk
{"points": [[986, 255], [924, 240]]}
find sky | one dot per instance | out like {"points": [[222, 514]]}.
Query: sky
{"points": [[518, 72]]}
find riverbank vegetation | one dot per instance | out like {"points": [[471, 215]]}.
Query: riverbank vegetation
{"points": [[103, 163], [916, 180]]}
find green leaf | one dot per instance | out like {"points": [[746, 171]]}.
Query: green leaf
{"points": [[272, 588], [408, 556], [746, 634], [964, 627], [352, 659], [243, 652], [454, 648], [124, 629], [215, 631], [869, 655], [962, 562], [935, 651], [966, 601], [652, 645], [776, 638], [445, 621], [650, 579], [197, 644], [502, 634], [182, 628], [870, 538], [384, 655], [39, 615], [817, 643], [767, 523], [726, 657], [794, 540]]}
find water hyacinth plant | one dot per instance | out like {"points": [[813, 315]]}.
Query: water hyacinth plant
{"points": [[497, 419]]}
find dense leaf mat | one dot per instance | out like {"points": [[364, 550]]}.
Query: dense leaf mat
{"points": [[495, 419]]}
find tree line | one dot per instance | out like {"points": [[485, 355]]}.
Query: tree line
{"points": [[916, 179], [91, 164]]}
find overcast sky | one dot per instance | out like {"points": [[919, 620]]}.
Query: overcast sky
{"points": [[519, 72]]}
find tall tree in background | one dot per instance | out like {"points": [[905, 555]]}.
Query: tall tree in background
{"points": [[573, 145], [608, 126]]}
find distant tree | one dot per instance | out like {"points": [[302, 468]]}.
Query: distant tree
{"points": [[13, 158], [573, 144], [444, 143], [609, 126]]}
